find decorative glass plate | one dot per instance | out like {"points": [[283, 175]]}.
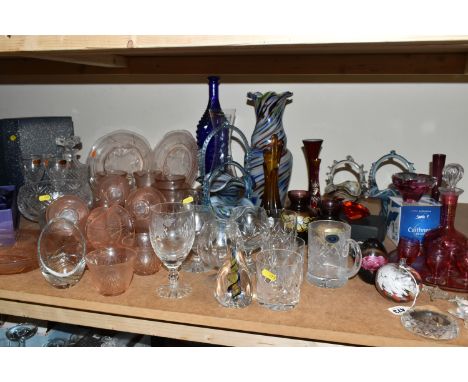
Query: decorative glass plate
{"points": [[120, 150], [176, 154], [430, 324]]}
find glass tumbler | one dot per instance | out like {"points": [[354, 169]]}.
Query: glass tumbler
{"points": [[279, 278]]}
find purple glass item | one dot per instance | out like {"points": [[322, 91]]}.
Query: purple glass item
{"points": [[408, 249], [413, 186], [438, 163], [445, 248]]}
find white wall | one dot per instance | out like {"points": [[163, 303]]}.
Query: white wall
{"points": [[363, 120]]}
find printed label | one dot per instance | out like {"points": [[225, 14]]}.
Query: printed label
{"points": [[43, 198], [332, 239], [187, 200], [13, 138], [398, 310], [268, 275]]}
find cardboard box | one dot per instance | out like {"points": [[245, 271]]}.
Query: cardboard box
{"points": [[9, 220], [411, 220]]}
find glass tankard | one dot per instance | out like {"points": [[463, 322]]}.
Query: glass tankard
{"points": [[329, 246]]}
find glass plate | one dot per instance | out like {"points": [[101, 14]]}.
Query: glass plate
{"points": [[430, 324], [120, 150], [176, 154]]}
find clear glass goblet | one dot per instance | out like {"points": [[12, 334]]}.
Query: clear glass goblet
{"points": [[20, 333], [203, 215], [253, 228], [172, 233]]}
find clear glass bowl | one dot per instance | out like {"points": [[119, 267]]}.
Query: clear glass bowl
{"points": [[61, 249]]}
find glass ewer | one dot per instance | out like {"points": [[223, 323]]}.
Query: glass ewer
{"points": [[269, 109], [271, 200], [444, 248], [437, 165], [205, 127]]}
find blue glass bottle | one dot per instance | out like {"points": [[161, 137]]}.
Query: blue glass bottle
{"points": [[205, 126]]}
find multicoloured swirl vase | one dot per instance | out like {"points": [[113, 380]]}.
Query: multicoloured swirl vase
{"points": [[269, 109]]}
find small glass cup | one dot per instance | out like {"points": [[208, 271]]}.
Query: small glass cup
{"points": [[279, 278], [33, 168], [111, 269]]}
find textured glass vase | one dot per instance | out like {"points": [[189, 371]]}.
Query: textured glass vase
{"points": [[220, 143], [269, 109]]}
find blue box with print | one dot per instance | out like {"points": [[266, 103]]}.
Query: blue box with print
{"points": [[411, 220]]}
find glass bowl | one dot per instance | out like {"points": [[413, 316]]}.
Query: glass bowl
{"points": [[61, 249], [413, 186]]}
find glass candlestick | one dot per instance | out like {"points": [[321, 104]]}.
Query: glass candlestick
{"points": [[445, 247]]}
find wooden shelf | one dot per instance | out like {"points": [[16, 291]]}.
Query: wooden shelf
{"points": [[144, 59], [355, 314]]}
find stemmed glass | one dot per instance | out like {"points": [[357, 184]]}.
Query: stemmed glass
{"points": [[253, 228], [202, 215], [172, 233], [20, 333]]}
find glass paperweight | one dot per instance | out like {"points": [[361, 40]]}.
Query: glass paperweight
{"points": [[444, 248], [430, 324], [61, 249], [374, 256], [233, 284], [398, 282], [413, 186]]}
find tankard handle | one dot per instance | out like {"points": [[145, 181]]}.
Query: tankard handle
{"points": [[353, 245]]}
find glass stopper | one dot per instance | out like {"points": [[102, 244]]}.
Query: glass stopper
{"points": [[452, 174]]}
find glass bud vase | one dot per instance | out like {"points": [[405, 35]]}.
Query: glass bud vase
{"points": [[312, 149], [272, 155], [205, 127], [437, 165], [233, 284], [444, 247]]}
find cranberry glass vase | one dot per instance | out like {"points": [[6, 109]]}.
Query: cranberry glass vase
{"points": [[437, 165], [445, 248], [312, 149]]}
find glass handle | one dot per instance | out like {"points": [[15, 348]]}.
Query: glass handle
{"points": [[357, 257]]}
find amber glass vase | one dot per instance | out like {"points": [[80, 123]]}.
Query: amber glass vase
{"points": [[445, 248], [271, 200]]}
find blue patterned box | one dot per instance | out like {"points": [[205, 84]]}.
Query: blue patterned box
{"points": [[411, 220]]}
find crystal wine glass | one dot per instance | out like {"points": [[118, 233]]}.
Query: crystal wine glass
{"points": [[202, 215], [20, 333], [172, 233], [253, 228]]}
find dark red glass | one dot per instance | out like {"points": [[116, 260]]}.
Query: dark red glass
{"points": [[437, 165], [330, 208], [408, 249], [312, 149], [413, 186], [300, 203]]}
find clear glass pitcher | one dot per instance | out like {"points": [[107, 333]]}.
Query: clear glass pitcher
{"points": [[329, 247]]}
